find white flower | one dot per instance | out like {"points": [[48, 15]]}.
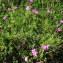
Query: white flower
{"points": [[28, 8], [26, 59], [5, 17], [61, 21]]}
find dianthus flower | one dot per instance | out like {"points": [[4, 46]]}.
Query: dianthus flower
{"points": [[34, 52]]}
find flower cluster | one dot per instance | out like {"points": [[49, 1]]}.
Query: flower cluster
{"points": [[35, 52], [33, 10]]}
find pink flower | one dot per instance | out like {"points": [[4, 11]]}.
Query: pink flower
{"points": [[35, 11], [34, 52], [45, 47], [31, 1], [58, 30], [61, 21]]}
